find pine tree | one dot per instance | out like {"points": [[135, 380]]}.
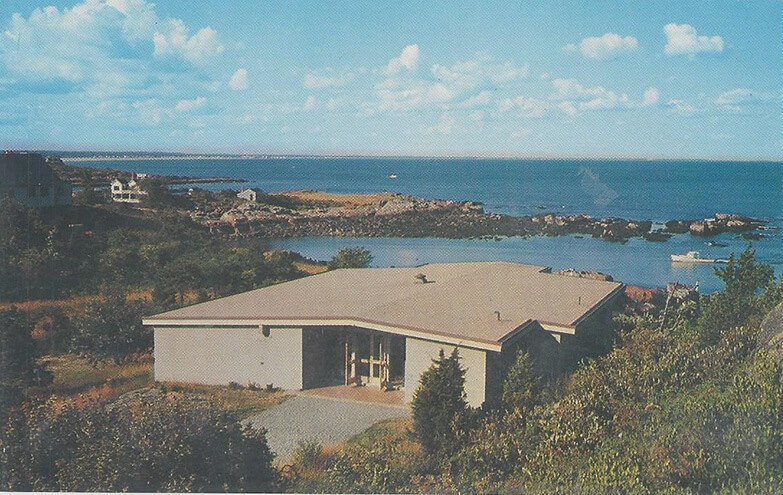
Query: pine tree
{"points": [[438, 403], [521, 385]]}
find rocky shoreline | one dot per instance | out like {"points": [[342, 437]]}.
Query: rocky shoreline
{"points": [[408, 216]]}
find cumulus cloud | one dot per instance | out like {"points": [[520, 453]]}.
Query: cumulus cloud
{"points": [[607, 46], [445, 126], [465, 84], [238, 81], [309, 103], [176, 42], [576, 96], [681, 107], [105, 47], [590, 98], [741, 96], [682, 39], [408, 60], [525, 106], [190, 105], [651, 97], [326, 78]]}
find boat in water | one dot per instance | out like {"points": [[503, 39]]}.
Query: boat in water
{"points": [[693, 257], [392, 176]]}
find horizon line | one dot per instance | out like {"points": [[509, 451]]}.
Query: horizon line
{"points": [[126, 154]]}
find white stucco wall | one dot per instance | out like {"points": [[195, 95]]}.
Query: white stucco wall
{"points": [[217, 356], [418, 358]]}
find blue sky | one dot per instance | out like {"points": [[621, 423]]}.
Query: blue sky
{"points": [[560, 78]]}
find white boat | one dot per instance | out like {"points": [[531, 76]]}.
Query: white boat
{"points": [[393, 176], [693, 257]]}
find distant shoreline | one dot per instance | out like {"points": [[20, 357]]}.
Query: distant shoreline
{"points": [[205, 157]]}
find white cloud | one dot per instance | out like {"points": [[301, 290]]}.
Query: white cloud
{"points": [[651, 97], [445, 126], [150, 111], [196, 49], [479, 100], [520, 132], [682, 39], [439, 93], [525, 106], [238, 81], [334, 104], [567, 108], [326, 78], [596, 97], [446, 85], [741, 96], [680, 107], [606, 46], [408, 60], [309, 103], [190, 105], [507, 72], [103, 47]]}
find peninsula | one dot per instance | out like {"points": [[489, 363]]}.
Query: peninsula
{"points": [[312, 213]]}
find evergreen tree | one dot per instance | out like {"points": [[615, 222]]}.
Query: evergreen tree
{"points": [[521, 386], [438, 403]]}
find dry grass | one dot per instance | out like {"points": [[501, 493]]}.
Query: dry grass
{"points": [[76, 380], [72, 305], [310, 268], [345, 200], [243, 402], [75, 376]]}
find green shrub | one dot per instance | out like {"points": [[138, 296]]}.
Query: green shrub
{"points": [[437, 405], [167, 445]]}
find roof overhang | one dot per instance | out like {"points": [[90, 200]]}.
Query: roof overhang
{"points": [[599, 305], [347, 322]]}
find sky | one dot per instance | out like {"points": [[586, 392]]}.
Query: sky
{"points": [[695, 79]]}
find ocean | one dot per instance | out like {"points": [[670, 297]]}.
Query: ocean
{"points": [[657, 190]]}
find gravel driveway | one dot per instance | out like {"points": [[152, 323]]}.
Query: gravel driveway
{"points": [[326, 421]]}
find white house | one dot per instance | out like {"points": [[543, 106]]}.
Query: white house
{"points": [[250, 194], [381, 327], [127, 191]]}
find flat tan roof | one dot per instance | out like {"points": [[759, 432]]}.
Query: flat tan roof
{"points": [[458, 301]]}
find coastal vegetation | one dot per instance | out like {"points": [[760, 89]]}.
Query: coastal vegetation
{"points": [[687, 407], [688, 400]]}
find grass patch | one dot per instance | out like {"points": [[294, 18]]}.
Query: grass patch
{"points": [[241, 402], [75, 376]]}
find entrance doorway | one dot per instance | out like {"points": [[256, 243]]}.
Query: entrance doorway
{"points": [[374, 358]]}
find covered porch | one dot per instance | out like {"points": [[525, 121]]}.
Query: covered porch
{"points": [[352, 356]]}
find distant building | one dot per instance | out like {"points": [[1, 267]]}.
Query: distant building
{"points": [[27, 179], [127, 191], [249, 194]]}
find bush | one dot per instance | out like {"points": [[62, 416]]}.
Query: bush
{"points": [[18, 353], [437, 405], [351, 257], [166, 445], [522, 384]]}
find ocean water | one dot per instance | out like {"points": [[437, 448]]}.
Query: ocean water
{"points": [[632, 189]]}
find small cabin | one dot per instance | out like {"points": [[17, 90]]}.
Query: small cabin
{"points": [[250, 194]]}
